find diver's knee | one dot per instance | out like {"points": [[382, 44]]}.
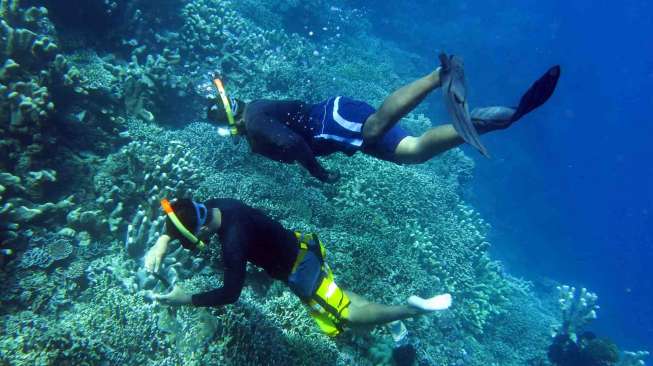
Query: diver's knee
{"points": [[411, 151], [357, 315], [356, 299]]}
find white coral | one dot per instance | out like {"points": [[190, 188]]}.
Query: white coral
{"points": [[578, 308]]}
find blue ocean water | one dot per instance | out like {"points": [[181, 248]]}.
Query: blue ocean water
{"points": [[569, 191]]}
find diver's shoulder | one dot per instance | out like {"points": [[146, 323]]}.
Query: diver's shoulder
{"points": [[257, 107], [224, 203], [232, 205], [263, 103]]}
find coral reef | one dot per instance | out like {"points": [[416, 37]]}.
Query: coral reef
{"points": [[633, 358], [149, 86], [20, 210], [29, 46], [37, 86]]}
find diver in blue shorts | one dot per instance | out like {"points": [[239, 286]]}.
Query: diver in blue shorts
{"points": [[295, 131]]}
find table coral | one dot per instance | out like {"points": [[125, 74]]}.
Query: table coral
{"points": [[58, 247]]}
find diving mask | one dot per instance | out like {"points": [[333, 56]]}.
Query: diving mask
{"points": [[201, 220]]}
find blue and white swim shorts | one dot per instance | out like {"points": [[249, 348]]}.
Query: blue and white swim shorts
{"points": [[342, 120]]}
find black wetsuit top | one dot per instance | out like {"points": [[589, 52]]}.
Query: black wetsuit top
{"points": [[248, 235], [282, 131]]}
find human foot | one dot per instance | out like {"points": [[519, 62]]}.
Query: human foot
{"points": [[498, 118], [435, 303], [488, 119]]}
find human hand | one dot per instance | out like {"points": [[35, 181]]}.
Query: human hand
{"points": [[154, 256], [175, 297]]}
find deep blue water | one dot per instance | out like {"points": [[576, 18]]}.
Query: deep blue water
{"points": [[569, 190]]}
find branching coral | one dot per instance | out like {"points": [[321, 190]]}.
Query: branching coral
{"points": [[20, 210], [148, 87], [103, 328], [578, 308], [76, 270], [34, 79], [30, 69], [35, 257], [150, 172], [633, 358]]}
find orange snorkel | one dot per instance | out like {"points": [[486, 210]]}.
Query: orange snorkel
{"points": [[167, 208]]}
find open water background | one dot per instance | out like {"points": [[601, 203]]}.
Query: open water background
{"points": [[569, 191]]}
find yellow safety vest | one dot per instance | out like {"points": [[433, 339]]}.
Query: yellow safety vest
{"points": [[329, 305]]}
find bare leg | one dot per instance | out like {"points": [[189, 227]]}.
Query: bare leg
{"points": [[397, 105], [416, 150], [363, 312]]}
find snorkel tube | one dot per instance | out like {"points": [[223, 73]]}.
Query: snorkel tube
{"points": [[233, 130], [167, 208]]}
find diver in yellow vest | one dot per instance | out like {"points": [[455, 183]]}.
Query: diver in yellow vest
{"points": [[248, 235]]}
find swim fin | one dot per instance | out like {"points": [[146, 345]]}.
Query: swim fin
{"points": [[488, 119], [538, 93], [454, 90]]}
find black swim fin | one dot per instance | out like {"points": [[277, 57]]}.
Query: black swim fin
{"points": [[538, 93]]}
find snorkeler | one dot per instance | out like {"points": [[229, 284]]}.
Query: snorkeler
{"points": [[248, 235], [295, 131]]}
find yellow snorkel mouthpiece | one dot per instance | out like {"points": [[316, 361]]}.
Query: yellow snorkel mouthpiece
{"points": [[167, 208]]}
